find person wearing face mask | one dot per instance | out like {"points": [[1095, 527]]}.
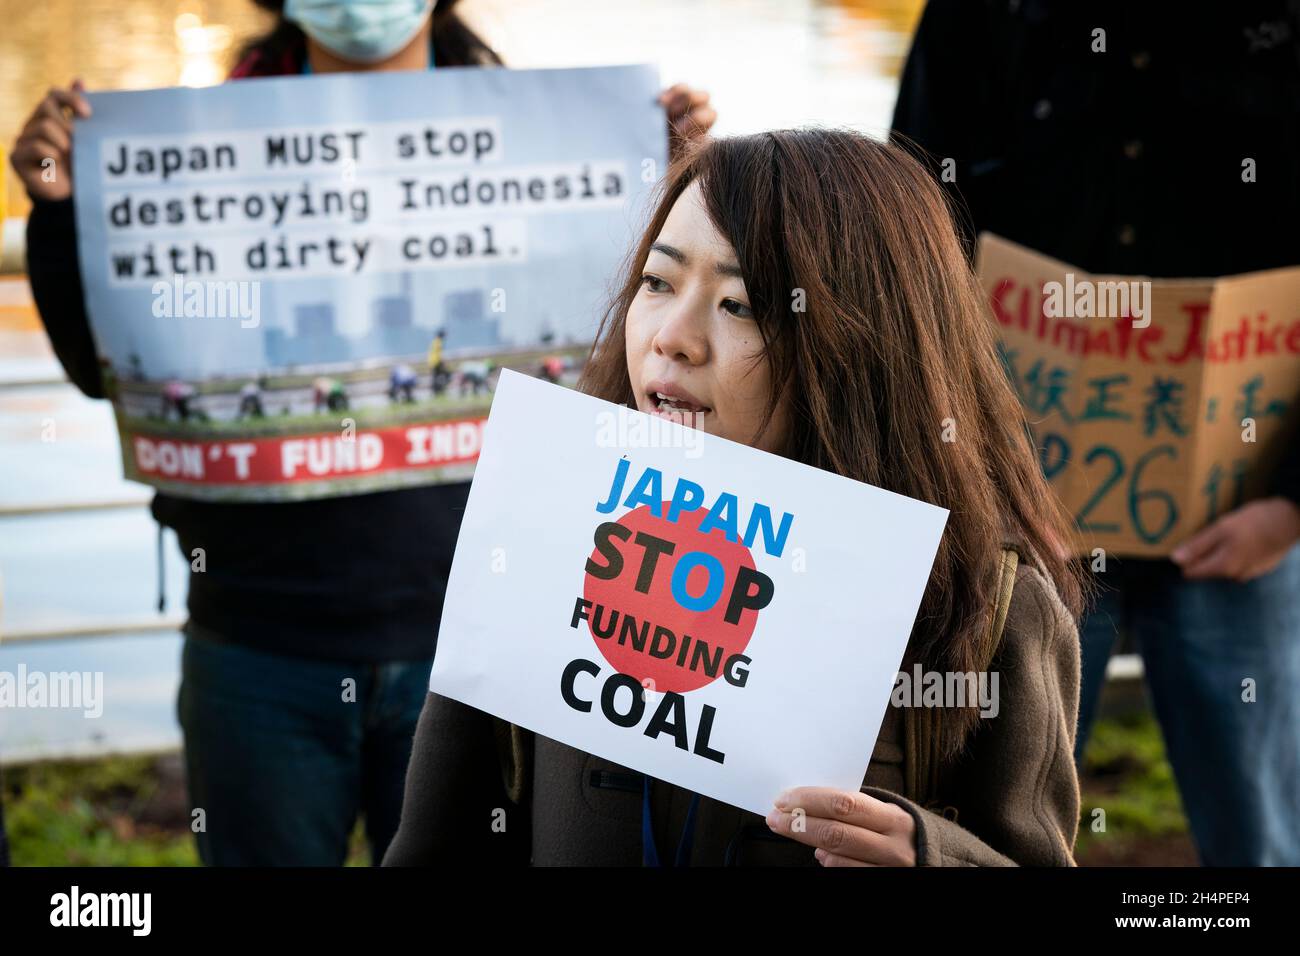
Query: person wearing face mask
{"points": [[892, 341], [299, 601]]}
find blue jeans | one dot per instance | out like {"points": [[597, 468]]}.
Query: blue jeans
{"points": [[1237, 763], [282, 761]]}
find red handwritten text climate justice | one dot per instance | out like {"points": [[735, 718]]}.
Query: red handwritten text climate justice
{"points": [[1020, 306]]}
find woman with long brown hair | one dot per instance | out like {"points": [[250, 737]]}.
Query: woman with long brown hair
{"points": [[804, 292]]}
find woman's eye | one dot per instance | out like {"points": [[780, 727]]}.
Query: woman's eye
{"points": [[654, 283], [738, 309]]}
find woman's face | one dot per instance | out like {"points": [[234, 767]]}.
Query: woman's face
{"points": [[694, 353]]}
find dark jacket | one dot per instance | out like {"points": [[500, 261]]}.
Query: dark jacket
{"points": [[1127, 161], [1012, 798], [358, 578]]}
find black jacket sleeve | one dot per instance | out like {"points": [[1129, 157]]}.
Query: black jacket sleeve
{"points": [[55, 275], [455, 793]]}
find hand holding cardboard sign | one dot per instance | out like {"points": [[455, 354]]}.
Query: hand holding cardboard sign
{"points": [[1244, 544], [848, 828]]}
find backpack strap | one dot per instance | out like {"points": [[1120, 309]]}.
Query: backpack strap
{"points": [[922, 754], [514, 754]]}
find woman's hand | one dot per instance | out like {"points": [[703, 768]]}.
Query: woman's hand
{"points": [[48, 136], [848, 828], [690, 117], [1244, 544]]}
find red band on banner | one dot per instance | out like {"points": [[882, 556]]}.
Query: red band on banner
{"points": [[321, 457]]}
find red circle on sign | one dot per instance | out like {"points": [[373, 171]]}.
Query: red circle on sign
{"points": [[656, 663]]}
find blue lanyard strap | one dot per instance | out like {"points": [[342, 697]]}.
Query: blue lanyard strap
{"points": [[649, 852]]}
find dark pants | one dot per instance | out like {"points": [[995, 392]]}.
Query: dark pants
{"points": [[284, 753], [1222, 662]]}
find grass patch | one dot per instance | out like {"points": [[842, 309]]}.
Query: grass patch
{"points": [[115, 811], [1126, 773], [108, 812]]}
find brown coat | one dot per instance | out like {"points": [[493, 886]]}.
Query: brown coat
{"points": [[1012, 798]]}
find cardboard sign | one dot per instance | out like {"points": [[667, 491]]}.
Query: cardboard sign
{"points": [[1156, 405], [305, 286], [715, 616]]}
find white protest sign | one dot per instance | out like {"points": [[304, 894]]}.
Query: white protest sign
{"points": [[715, 616]]}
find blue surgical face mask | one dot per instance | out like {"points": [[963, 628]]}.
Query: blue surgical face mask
{"points": [[363, 31]]}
